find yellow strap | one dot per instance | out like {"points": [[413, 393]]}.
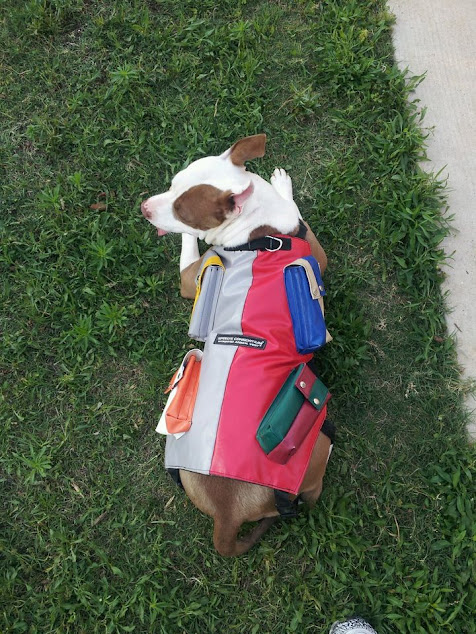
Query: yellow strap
{"points": [[213, 259]]}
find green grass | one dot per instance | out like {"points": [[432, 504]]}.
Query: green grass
{"points": [[102, 102]]}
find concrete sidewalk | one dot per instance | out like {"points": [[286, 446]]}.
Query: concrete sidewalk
{"points": [[438, 37]]}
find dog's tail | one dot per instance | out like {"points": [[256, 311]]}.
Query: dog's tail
{"points": [[225, 536]]}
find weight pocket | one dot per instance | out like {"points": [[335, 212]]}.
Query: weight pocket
{"points": [[304, 291], [297, 408], [209, 283], [176, 418]]}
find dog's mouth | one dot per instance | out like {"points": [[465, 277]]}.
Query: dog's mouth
{"points": [[161, 232]]}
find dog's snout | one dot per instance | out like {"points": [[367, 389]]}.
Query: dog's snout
{"points": [[145, 210]]}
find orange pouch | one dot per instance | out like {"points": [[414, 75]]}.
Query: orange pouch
{"points": [[178, 416]]}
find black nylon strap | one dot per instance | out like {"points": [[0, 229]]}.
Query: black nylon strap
{"points": [[329, 429], [287, 508], [302, 230], [175, 475], [268, 243]]}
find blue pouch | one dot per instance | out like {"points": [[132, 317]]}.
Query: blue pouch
{"points": [[304, 290]]}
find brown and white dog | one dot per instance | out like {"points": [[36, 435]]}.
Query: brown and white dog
{"points": [[216, 199]]}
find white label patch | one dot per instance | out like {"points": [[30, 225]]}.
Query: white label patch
{"points": [[241, 340]]}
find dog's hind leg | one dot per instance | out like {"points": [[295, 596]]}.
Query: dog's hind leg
{"points": [[225, 535], [311, 487]]}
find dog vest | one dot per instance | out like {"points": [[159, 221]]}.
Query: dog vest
{"points": [[248, 354]]}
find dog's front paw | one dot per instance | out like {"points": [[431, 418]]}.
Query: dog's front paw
{"points": [[282, 183]]}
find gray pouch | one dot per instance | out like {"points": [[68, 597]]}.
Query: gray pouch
{"points": [[208, 290]]}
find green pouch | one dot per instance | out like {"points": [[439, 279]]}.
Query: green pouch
{"points": [[302, 386]]}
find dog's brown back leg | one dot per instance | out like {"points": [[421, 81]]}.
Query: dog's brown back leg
{"points": [[225, 535], [231, 503], [311, 487]]}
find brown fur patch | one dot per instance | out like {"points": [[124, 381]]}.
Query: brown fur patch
{"points": [[203, 207], [266, 230]]}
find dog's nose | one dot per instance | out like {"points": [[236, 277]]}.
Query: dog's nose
{"points": [[145, 210]]}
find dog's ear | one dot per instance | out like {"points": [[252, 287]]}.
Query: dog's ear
{"points": [[230, 204], [246, 149], [239, 199]]}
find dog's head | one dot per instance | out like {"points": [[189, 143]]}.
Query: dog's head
{"points": [[208, 193]]}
